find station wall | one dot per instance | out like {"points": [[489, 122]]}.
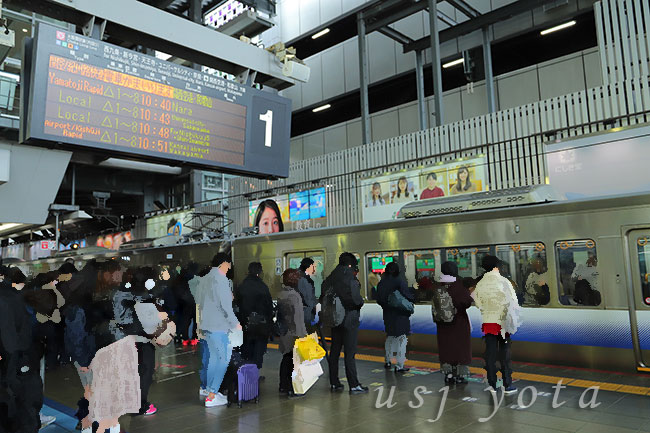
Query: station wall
{"points": [[561, 76]]}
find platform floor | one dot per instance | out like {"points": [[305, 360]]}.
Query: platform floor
{"points": [[624, 403]]}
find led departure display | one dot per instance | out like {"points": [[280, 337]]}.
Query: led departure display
{"points": [[90, 93]]}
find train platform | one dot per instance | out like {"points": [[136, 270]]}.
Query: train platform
{"points": [[588, 401]]}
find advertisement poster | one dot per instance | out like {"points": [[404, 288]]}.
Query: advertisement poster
{"points": [[383, 196], [296, 211], [172, 224], [112, 241]]}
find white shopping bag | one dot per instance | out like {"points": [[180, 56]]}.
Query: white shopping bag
{"points": [[305, 373]]}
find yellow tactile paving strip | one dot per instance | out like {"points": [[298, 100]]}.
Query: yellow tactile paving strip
{"points": [[567, 381]]}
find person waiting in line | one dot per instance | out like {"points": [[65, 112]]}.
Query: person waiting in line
{"points": [[185, 305], [255, 313], [194, 284], [451, 300], [347, 288], [375, 196], [307, 290], [397, 323], [292, 320], [432, 190], [268, 218], [21, 388], [463, 182], [402, 195], [497, 301], [217, 321], [49, 328]]}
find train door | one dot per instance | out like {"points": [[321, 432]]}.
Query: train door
{"points": [[293, 260], [638, 242]]}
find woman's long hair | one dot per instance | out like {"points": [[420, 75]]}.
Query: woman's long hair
{"points": [[406, 190], [468, 183]]}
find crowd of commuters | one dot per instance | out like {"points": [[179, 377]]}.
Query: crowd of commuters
{"points": [[107, 320]]}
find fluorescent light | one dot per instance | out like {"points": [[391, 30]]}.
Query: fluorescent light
{"points": [[321, 33], [25, 30], [321, 108], [7, 226], [14, 77], [454, 63], [556, 28], [162, 56]]}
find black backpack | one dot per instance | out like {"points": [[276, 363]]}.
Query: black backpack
{"points": [[332, 310]]}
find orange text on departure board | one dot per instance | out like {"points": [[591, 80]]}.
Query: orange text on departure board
{"points": [[112, 77]]}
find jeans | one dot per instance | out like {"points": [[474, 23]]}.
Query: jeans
{"points": [[397, 346], [497, 347], [346, 338], [203, 376], [216, 362]]}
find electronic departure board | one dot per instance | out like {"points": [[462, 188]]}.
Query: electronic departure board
{"points": [[84, 92]]}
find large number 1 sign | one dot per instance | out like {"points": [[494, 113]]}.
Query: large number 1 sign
{"points": [[268, 134]]}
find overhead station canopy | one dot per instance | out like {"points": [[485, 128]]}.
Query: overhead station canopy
{"points": [[86, 94], [480, 201]]}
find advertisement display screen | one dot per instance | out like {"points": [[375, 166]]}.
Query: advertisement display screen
{"points": [[378, 264], [317, 207], [299, 206], [88, 93]]}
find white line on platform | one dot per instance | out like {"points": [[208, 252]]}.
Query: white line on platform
{"points": [[175, 377]]}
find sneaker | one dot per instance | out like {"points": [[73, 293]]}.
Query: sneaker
{"points": [[218, 400], [460, 380], [337, 387], [402, 370], [359, 389], [203, 392], [186, 342], [492, 389], [150, 410], [510, 390], [388, 366], [194, 342], [46, 420]]}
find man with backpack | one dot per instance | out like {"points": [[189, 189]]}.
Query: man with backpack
{"points": [[341, 304]]}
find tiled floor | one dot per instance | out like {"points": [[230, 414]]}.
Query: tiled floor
{"points": [[465, 408]]}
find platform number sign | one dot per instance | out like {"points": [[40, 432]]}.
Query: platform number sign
{"points": [[267, 118]]}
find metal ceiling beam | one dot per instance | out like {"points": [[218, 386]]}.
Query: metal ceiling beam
{"points": [[474, 24], [395, 35], [402, 13], [162, 31], [161, 4], [446, 18], [464, 8]]}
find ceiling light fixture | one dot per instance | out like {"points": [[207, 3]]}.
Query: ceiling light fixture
{"points": [[25, 30], [321, 33], [454, 63], [321, 108], [556, 28]]}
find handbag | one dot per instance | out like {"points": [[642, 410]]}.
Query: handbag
{"points": [[309, 349], [397, 301], [257, 325]]}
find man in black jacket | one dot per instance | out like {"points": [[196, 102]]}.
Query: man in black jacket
{"points": [[347, 288], [21, 388], [255, 313]]}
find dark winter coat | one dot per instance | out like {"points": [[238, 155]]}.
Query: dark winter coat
{"points": [[253, 296], [290, 314], [348, 290], [396, 322], [454, 339], [307, 292]]}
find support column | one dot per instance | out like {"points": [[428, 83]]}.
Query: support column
{"points": [[195, 14], [435, 62], [74, 182], [419, 80], [364, 79], [489, 76]]}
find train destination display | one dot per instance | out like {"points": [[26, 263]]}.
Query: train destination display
{"points": [[90, 93]]}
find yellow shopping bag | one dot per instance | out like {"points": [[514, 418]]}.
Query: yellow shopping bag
{"points": [[308, 348]]}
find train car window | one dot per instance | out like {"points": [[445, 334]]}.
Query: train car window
{"points": [[643, 252], [294, 259], [422, 267], [578, 272], [526, 267], [467, 259], [375, 264]]}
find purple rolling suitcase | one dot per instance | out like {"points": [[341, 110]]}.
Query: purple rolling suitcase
{"points": [[247, 385]]}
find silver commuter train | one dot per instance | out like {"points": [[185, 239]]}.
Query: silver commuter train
{"points": [[547, 247]]}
